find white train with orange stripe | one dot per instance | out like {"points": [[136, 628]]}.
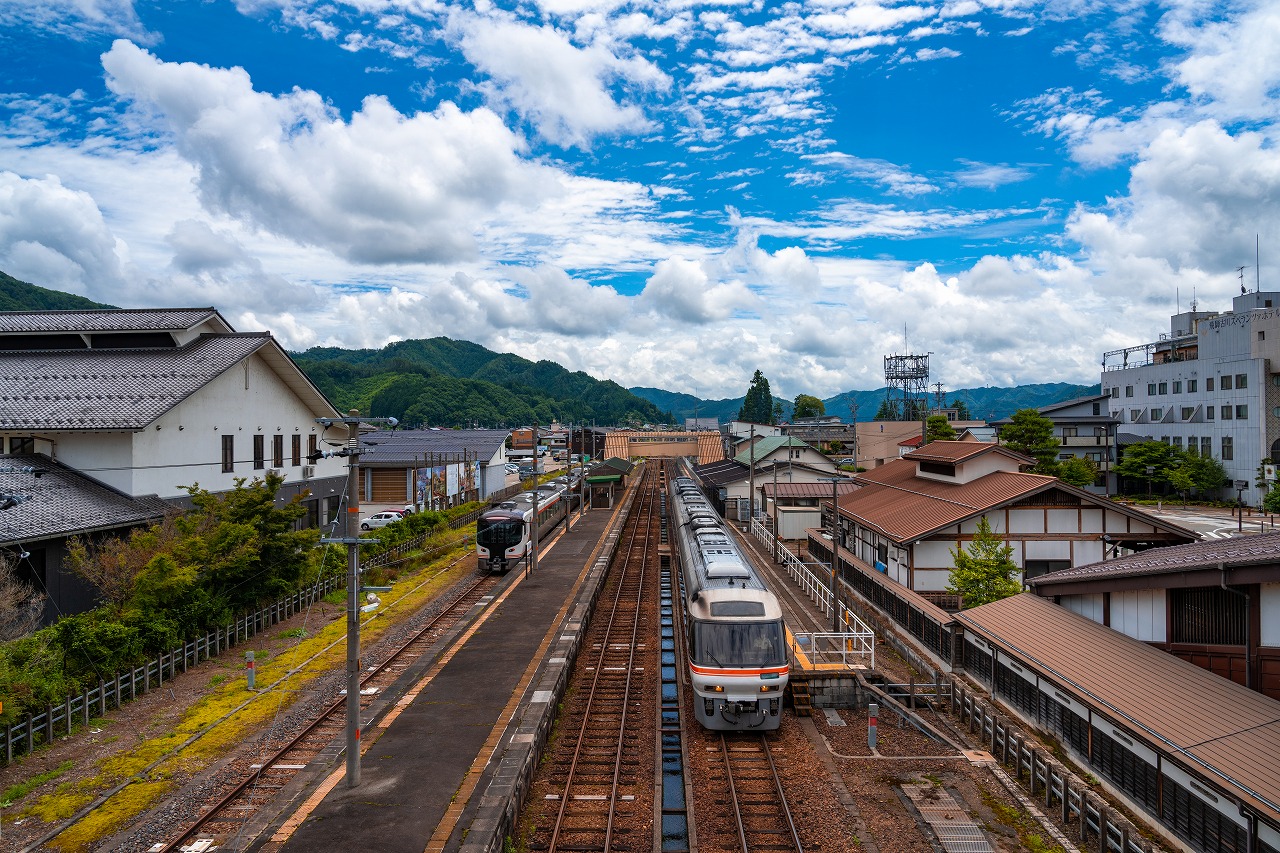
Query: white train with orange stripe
{"points": [[734, 637]]}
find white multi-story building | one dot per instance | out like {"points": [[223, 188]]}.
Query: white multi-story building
{"points": [[1209, 384]]}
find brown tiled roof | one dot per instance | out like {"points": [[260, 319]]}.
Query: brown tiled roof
{"points": [[905, 507], [1216, 727], [1231, 553], [959, 451]]}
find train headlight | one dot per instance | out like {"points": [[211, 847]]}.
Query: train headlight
{"points": [[715, 688], [768, 688]]}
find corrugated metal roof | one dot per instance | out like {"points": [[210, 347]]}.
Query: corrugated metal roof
{"points": [[1236, 551], [807, 490], [65, 502], [764, 446], [112, 389], [104, 320], [1219, 727], [416, 446]]}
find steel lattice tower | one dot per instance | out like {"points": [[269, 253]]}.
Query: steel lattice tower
{"points": [[906, 378]]}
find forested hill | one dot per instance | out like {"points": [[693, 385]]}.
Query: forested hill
{"points": [[447, 383], [987, 404], [16, 295]]}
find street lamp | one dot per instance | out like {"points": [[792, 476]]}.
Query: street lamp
{"points": [[1241, 485], [1151, 470]]}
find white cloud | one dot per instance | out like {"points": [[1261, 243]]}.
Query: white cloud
{"points": [[563, 89], [1232, 65], [889, 175], [76, 19], [682, 290], [380, 188], [54, 236], [989, 175]]}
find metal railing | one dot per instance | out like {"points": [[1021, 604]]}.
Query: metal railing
{"points": [[859, 638]]}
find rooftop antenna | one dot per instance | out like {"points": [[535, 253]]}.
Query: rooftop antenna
{"points": [[1257, 263], [1240, 273], [1193, 300]]}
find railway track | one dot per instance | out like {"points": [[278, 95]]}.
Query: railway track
{"points": [[261, 778], [759, 803], [600, 787]]}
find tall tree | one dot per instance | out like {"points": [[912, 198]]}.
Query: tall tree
{"points": [[1078, 471], [1031, 433], [757, 408], [1150, 461], [986, 572], [962, 409], [938, 428], [808, 406]]}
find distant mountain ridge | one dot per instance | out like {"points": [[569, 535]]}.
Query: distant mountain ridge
{"points": [[18, 295], [988, 404]]}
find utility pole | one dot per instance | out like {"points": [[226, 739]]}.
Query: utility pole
{"points": [[835, 555], [531, 565], [853, 412], [751, 476], [351, 538]]}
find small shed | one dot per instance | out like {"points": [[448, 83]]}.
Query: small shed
{"points": [[605, 479]]}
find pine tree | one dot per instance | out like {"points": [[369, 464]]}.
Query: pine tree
{"points": [[986, 572], [757, 408]]}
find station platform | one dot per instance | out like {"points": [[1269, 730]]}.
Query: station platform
{"points": [[447, 750]]}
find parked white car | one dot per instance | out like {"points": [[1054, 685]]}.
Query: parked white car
{"points": [[380, 519]]}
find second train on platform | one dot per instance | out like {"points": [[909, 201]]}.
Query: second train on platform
{"points": [[504, 533], [735, 642]]}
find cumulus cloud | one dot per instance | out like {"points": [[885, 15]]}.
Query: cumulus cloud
{"points": [[76, 19], [380, 188], [55, 236], [562, 88], [682, 290]]}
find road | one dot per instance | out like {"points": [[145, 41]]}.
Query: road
{"points": [[1214, 522]]}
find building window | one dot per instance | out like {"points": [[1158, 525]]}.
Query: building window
{"points": [[1164, 439], [1188, 412], [1128, 389], [1177, 386], [24, 444], [1191, 444], [1208, 413], [1070, 432], [1206, 446], [1225, 382], [1177, 441], [1115, 392], [1242, 413], [1066, 455], [1225, 413], [1191, 386], [228, 454], [1097, 408], [1151, 389], [1262, 336], [1135, 415], [295, 450], [1208, 383], [313, 445], [1228, 448], [1163, 388], [1242, 380], [259, 452], [277, 451], [1157, 414]]}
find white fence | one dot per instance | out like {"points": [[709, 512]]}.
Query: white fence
{"points": [[857, 640]]}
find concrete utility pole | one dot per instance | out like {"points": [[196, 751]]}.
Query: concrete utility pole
{"points": [[751, 476], [351, 538], [835, 556], [531, 565]]}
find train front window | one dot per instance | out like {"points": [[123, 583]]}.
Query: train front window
{"points": [[739, 644], [499, 534]]}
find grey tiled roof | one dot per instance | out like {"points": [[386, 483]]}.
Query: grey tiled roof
{"points": [[112, 389], [411, 446], [64, 502], [104, 320], [1233, 552]]}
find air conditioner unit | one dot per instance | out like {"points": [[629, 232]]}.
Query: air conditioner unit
{"points": [[308, 471], [276, 472]]}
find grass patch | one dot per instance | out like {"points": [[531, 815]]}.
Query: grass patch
{"points": [[1022, 823], [16, 792], [224, 718], [294, 634]]}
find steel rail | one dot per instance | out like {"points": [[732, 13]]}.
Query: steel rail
{"points": [[216, 810], [778, 798], [640, 535]]}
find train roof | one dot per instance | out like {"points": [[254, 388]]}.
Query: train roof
{"points": [[712, 558], [738, 604]]}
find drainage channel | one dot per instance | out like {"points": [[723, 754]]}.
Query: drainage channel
{"points": [[675, 835]]}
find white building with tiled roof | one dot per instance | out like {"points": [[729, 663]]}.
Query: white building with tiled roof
{"points": [[910, 515], [146, 403]]}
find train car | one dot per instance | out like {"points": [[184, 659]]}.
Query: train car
{"points": [[735, 641], [503, 533]]}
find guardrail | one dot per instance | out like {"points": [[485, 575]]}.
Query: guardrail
{"points": [[857, 634]]}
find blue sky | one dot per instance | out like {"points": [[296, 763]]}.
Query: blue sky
{"points": [[665, 193]]}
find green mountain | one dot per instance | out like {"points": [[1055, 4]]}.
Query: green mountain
{"points": [[987, 404], [18, 295], [443, 382]]}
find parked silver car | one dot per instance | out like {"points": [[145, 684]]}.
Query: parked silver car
{"points": [[380, 519]]}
